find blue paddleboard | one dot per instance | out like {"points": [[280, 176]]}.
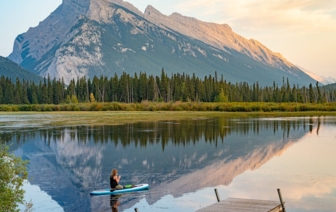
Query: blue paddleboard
{"points": [[106, 191]]}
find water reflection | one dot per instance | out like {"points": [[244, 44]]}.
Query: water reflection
{"points": [[175, 158], [178, 132], [114, 202]]}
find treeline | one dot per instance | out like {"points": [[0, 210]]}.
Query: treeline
{"points": [[143, 87]]}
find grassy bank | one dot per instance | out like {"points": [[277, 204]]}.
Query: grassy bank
{"points": [[74, 118], [176, 106]]}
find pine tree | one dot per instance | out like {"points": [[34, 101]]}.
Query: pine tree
{"points": [[1, 94], [96, 89], [67, 99], [8, 92], [143, 86], [34, 98], [221, 97], [311, 94], [92, 98], [43, 95], [17, 92], [24, 93], [114, 84], [151, 89], [135, 88], [319, 95], [50, 91], [74, 99]]}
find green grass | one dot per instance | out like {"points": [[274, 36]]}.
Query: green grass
{"points": [[120, 113], [74, 118]]}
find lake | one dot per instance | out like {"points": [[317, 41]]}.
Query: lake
{"points": [[182, 161]]}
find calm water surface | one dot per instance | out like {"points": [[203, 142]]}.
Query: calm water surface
{"points": [[183, 161]]}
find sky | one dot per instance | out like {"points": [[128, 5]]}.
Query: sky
{"points": [[303, 31]]}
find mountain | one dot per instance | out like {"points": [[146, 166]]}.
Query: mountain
{"points": [[321, 79], [12, 70], [104, 37], [330, 87], [328, 80]]}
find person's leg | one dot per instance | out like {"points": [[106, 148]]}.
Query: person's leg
{"points": [[119, 187]]}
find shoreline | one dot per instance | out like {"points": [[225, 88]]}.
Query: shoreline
{"points": [[90, 118]]}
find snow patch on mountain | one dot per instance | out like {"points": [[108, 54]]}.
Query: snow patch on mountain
{"points": [[119, 48], [221, 57]]}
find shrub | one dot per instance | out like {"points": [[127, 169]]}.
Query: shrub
{"points": [[13, 174], [47, 108], [65, 108], [99, 107], [15, 108], [5, 108], [25, 107], [56, 108], [266, 108], [75, 107]]}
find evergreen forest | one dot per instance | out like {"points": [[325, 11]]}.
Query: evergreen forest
{"points": [[142, 87]]}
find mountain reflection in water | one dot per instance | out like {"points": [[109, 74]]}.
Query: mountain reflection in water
{"points": [[172, 157]]}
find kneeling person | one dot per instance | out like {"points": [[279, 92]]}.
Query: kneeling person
{"points": [[114, 180]]}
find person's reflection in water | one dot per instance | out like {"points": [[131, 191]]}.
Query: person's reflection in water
{"points": [[114, 202]]}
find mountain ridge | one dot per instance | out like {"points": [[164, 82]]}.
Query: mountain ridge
{"points": [[214, 34], [13, 71], [77, 45]]}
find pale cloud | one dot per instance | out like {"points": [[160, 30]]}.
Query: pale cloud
{"points": [[303, 15]]}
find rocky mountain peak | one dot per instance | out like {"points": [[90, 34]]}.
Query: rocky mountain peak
{"points": [[150, 10], [80, 4], [226, 26], [93, 37], [155, 16], [127, 5], [103, 10], [39, 40]]}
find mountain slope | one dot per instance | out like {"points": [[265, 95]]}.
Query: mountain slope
{"points": [[320, 79], [103, 37], [330, 87], [218, 35], [12, 70]]}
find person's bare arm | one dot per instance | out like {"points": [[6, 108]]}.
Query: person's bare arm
{"points": [[117, 178]]}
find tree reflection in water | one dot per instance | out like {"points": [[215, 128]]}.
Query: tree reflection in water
{"points": [[180, 132], [69, 162]]}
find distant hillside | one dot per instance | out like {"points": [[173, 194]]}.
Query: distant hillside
{"points": [[320, 79], [12, 70], [330, 87]]}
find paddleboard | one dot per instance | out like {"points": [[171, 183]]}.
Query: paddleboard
{"points": [[106, 191]]}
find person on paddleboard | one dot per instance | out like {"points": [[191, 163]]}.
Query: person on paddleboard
{"points": [[114, 180]]}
